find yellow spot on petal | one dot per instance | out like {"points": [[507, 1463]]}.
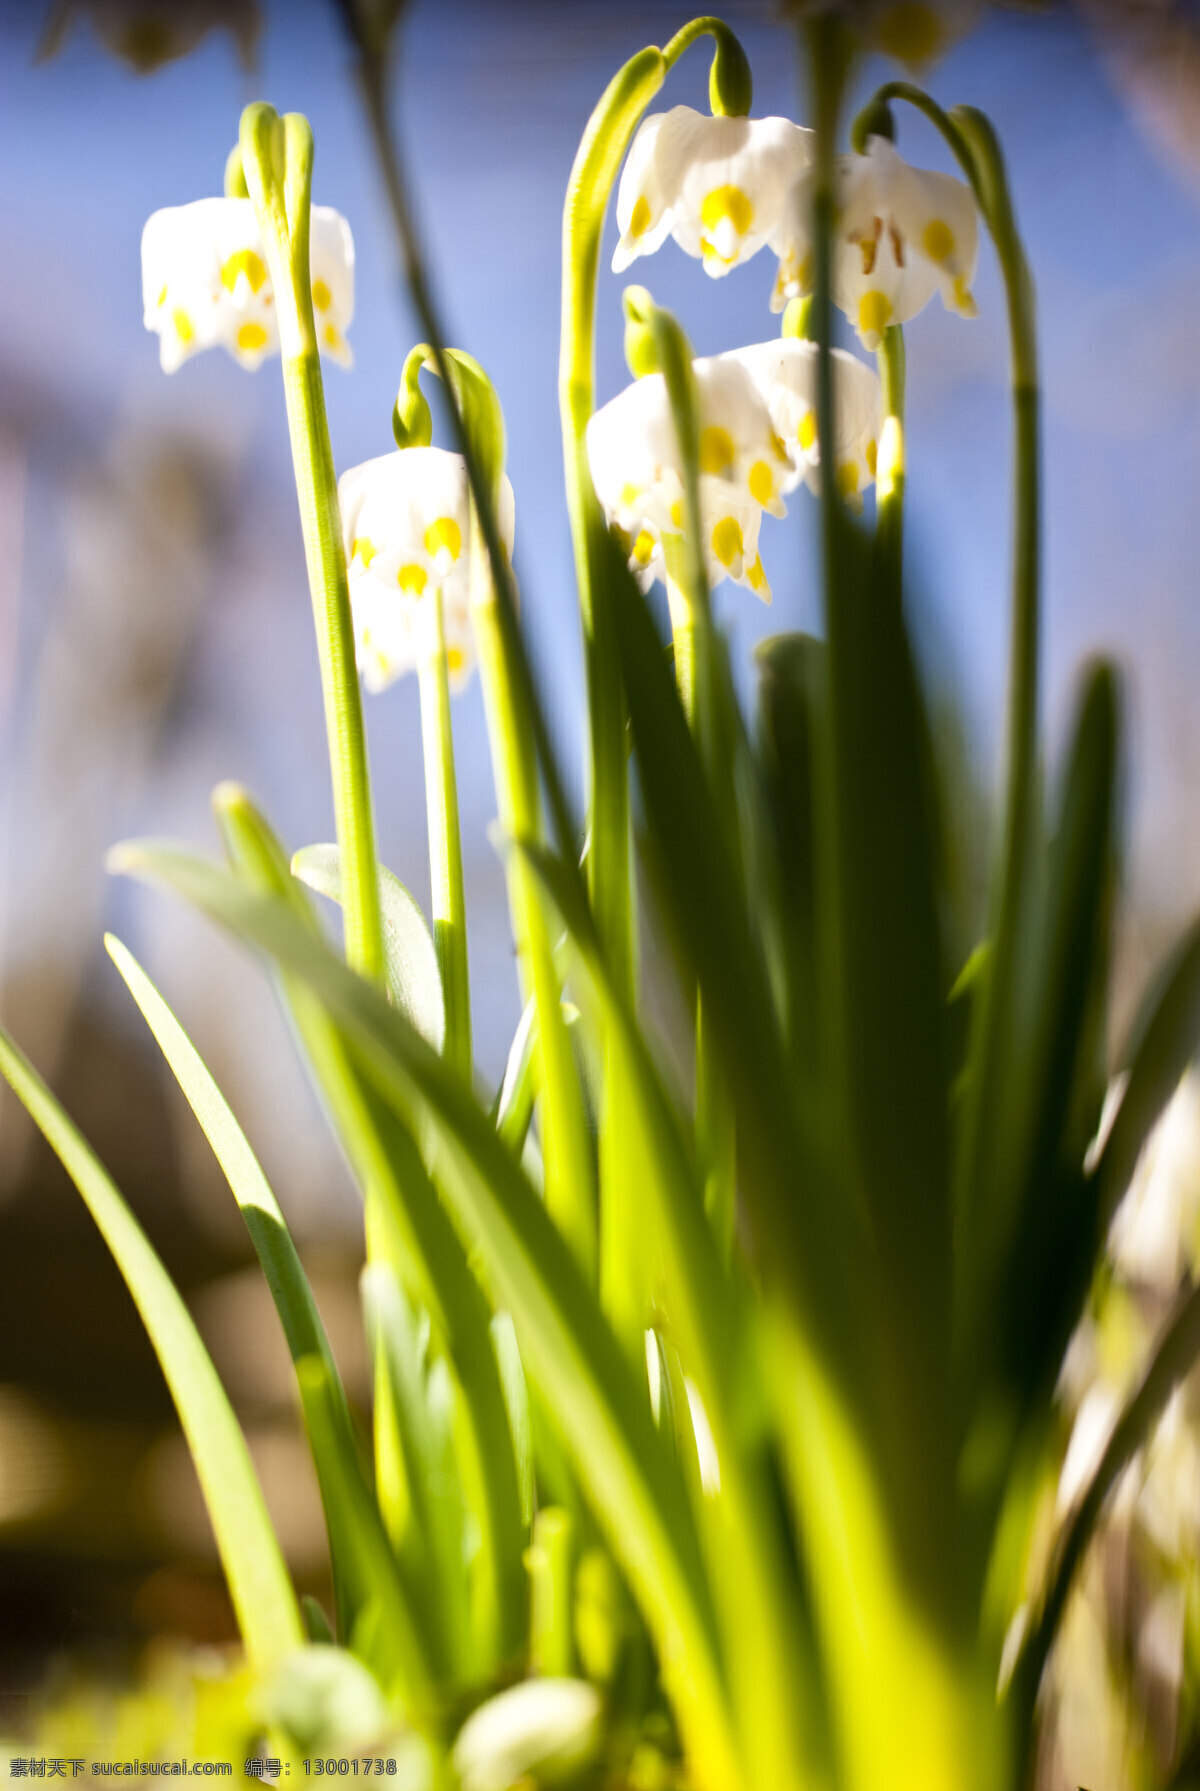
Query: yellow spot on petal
{"points": [[716, 449], [874, 313], [757, 577], [762, 482], [847, 479], [364, 550], [332, 339], [322, 297], [251, 336], [629, 495], [963, 300], [455, 659], [640, 217], [413, 579], [677, 513], [443, 536], [806, 434], [938, 240], [162, 299], [872, 457], [245, 261], [727, 543], [183, 326], [726, 202], [643, 548]]}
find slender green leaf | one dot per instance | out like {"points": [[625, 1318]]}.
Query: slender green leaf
{"points": [[388, 1635], [798, 1201], [267, 1612], [568, 1348], [1028, 1260], [413, 978], [514, 1103], [516, 1398], [427, 1250], [265, 1222], [433, 1538], [748, 1556]]}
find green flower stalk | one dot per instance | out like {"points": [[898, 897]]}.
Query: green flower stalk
{"points": [[598, 160], [276, 158]]}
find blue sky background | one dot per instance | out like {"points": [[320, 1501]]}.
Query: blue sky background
{"points": [[491, 103]]}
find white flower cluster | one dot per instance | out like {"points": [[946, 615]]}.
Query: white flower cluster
{"points": [[205, 282], [902, 234], [758, 441], [726, 187], [406, 523]]}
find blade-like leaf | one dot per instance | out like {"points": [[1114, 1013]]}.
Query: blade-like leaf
{"points": [[816, 1241], [263, 1600], [281, 1265], [514, 1104], [568, 1349], [1029, 1258], [413, 978], [388, 1633], [433, 1539], [749, 1558], [427, 1249]]}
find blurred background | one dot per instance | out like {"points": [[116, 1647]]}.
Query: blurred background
{"points": [[155, 633]]}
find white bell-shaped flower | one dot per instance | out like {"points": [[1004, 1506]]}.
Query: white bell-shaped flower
{"points": [[901, 235], [405, 524], [205, 281], [785, 374], [719, 186], [744, 469]]}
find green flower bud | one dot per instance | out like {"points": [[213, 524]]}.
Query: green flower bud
{"points": [[412, 419]]}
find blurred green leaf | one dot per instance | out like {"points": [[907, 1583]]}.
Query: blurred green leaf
{"points": [[388, 1163], [436, 1526], [1031, 1257], [413, 978], [791, 1180], [564, 1340], [263, 1600], [265, 1222], [391, 1631], [514, 1103]]}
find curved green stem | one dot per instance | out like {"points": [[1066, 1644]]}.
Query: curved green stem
{"points": [[445, 843], [598, 160], [277, 165], [371, 70], [570, 1196]]}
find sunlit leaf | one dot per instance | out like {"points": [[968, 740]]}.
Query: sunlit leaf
{"points": [[263, 1600]]}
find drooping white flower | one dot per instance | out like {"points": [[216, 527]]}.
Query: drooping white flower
{"points": [[637, 471], [719, 186], [405, 524], [901, 234], [785, 374], [205, 281]]}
